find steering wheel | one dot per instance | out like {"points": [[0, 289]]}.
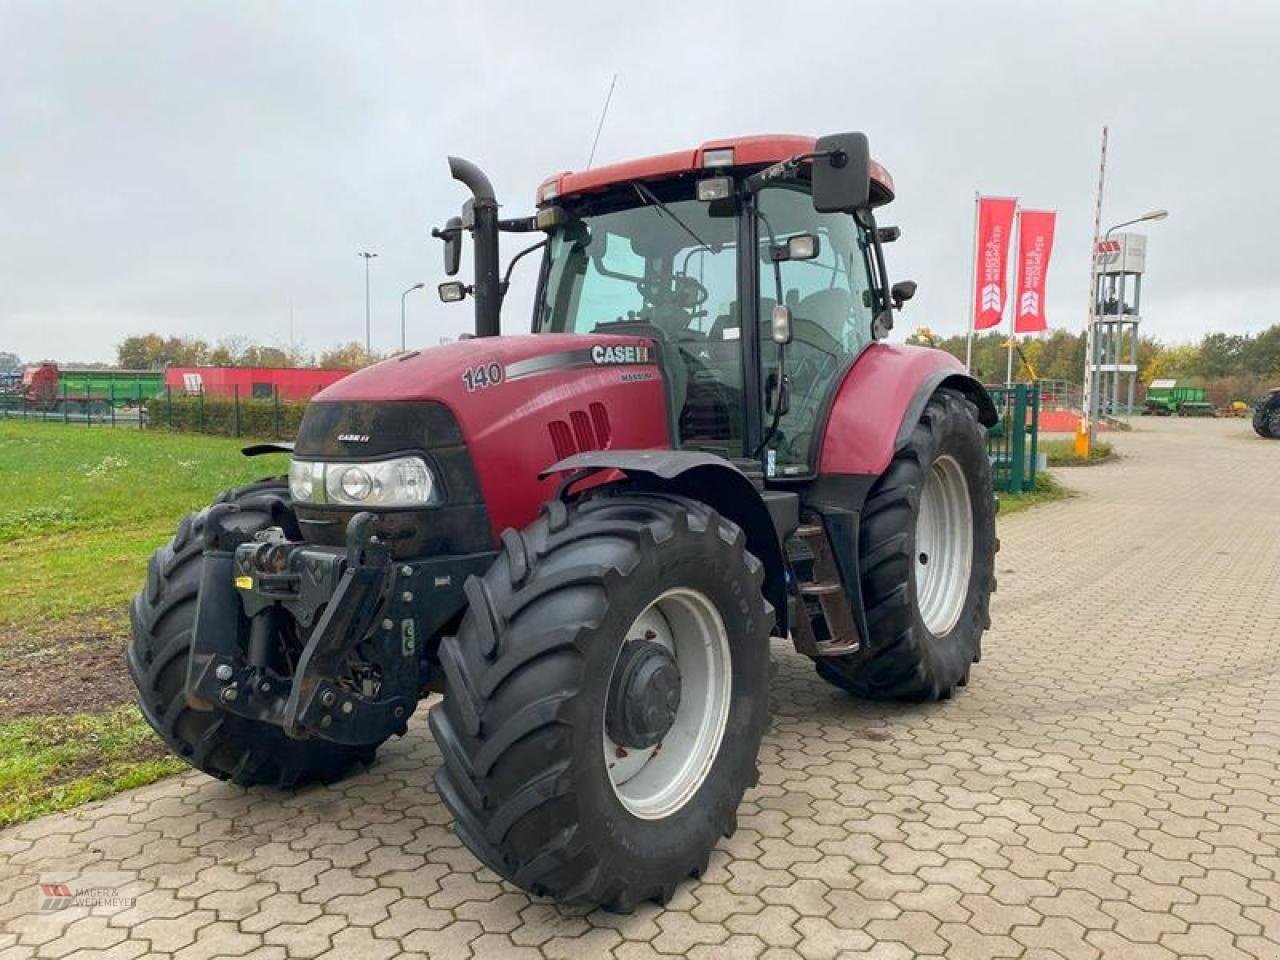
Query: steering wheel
{"points": [[681, 291]]}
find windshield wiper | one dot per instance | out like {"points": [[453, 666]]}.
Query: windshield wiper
{"points": [[647, 195]]}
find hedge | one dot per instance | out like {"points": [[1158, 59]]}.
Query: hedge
{"points": [[226, 416]]}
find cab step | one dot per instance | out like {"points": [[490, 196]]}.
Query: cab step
{"points": [[823, 625]]}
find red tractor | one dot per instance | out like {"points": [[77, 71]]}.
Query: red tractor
{"points": [[584, 538]]}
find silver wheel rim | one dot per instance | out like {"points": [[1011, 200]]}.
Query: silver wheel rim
{"points": [[655, 782], [944, 546]]}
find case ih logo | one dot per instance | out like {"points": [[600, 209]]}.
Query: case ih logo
{"points": [[55, 896], [991, 297], [621, 354], [1030, 304]]}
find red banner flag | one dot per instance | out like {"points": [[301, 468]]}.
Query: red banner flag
{"points": [[1035, 244], [995, 224]]}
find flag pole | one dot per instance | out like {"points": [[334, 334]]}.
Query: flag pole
{"points": [[973, 286], [1085, 432], [1014, 256]]}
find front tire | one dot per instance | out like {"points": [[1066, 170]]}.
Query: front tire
{"points": [[540, 789], [927, 549], [161, 618]]}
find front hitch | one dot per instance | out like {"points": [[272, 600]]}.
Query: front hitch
{"points": [[354, 681]]}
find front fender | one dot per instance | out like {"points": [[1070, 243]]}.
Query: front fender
{"points": [[766, 517], [880, 400]]}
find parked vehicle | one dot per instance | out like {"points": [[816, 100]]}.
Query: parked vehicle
{"points": [[1165, 398], [585, 537], [1266, 415]]}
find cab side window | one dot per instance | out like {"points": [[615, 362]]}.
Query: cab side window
{"points": [[831, 303]]}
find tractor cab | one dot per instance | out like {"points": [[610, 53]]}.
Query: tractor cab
{"points": [[756, 300]]}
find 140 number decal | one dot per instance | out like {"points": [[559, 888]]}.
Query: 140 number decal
{"points": [[482, 376]]}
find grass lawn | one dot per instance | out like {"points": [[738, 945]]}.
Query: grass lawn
{"points": [[1062, 452], [1047, 489], [75, 534]]}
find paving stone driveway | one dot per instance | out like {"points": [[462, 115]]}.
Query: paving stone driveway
{"points": [[1107, 785]]}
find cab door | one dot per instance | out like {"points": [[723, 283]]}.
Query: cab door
{"points": [[831, 298]]}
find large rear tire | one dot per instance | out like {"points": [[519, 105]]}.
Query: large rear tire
{"points": [[1266, 417], [162, 615], [533, 717], [927, 549]]}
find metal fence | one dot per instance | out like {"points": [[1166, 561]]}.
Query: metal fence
{"points": [[227, 414], [1013, 443]]}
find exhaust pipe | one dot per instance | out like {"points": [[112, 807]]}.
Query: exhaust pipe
{"points": [[480, 215]]}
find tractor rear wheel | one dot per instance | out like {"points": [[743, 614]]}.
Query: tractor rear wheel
{"points": [[605, 698], [162, 615], [1266, 417], [927, 552]]}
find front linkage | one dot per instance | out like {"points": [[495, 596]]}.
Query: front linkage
{"points": [[356, 671]]}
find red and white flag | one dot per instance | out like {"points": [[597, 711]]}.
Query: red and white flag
{"points": [[995, 224], [1035, 244]]}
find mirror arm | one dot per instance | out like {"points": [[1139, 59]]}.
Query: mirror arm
{"points": [[518, 225], [784, 168], [506, 278]]}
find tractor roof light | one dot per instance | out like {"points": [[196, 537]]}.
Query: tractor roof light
{"points": [[714, 188], [719, 157], [549, 190], [548, 218]]}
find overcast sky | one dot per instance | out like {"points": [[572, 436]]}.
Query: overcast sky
{"points": [[196, 169]]}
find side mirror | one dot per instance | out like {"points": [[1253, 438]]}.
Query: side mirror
{"points": [[901, 292], [842, 178], [452, 237], [452, 291], [888, 234], [780, 326]]}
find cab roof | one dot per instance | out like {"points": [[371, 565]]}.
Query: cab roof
{"points": [[751, 151]]}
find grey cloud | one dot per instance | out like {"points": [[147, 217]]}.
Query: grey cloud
{"points": [[196, 168]]}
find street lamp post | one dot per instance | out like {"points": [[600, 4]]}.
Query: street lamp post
{"points": [[416, 286], [1094, 404], [368, 345]]}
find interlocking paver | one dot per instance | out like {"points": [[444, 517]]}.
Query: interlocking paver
{"points": [[1106, 786]]}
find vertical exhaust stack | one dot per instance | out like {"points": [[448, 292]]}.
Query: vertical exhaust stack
{"points": [[480, 215]]}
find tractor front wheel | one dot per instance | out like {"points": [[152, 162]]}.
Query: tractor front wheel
{"points": [[162, 615], [605, 699], [927, 548]]}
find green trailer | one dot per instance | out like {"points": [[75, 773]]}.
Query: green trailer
{"points": [[118, 387], [1166, 399]]}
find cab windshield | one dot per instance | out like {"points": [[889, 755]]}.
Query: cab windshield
{"points": [[668, 271]]}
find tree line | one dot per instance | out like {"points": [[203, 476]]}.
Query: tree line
{"points": [[152, 351], [1229, 366]]}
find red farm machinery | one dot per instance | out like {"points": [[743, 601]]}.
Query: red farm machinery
{"points": [[584, 537]]}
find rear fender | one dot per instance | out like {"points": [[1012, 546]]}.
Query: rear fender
{"points": [[880, 401], [766, 517]]}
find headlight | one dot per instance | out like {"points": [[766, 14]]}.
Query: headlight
{"points": [[401, 482]]}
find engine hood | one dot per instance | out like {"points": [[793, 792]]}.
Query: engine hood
{"points": [[451, 372], [520, 404]]}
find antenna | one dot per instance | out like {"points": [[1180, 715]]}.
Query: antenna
{"points": [[600, 126]]}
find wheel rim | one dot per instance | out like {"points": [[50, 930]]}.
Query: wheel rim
{"points": [[655, 782], [944, 546]]}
